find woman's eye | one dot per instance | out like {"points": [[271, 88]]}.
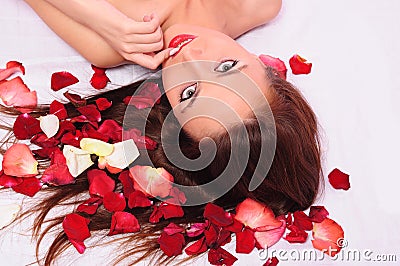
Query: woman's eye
{"points": [[188, 92], [226, 66]]}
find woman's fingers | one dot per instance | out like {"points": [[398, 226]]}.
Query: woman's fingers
{"points": [[151, 61]]}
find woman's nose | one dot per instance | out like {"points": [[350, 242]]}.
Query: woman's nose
{"points": [[192, 53]]}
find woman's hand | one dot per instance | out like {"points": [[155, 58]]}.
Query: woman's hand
{"points": [[136, 41]]}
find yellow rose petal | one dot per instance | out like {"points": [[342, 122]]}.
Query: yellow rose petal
{"points": [[95, 146]]}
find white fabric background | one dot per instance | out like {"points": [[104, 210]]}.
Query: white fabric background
{"points": [[354, 89]]}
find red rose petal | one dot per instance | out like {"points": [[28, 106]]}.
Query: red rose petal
{"points": [[43, 141], [9, 181], [26, 126], [62, 79], [296, 235], [302, 221], [217, 215], [150, 90], [339, 180], [29, 186], [18, 161], [90, 205], [99, 81], [235, 227], [103, 104], [138, 199], [139, 102], [275, 63], [111, 129], [271, 262], [75, 99], [114, 202], [57, 175], [58, 109], [318, 214], [176, 196], [196, 229], [267, 238], [99, 182], [328, 237], [76, 229], [142, 142], [171, 245], [172, 229], [220, 256], [197, 247], [98, 70], [12, 67], [90, 112], [15, 93], [245, 241], [72, 139], [123, 222], [299, 65], [165, 210], [216, 236], [45, 152], [65, 127], [127, 183], [88, 131]]}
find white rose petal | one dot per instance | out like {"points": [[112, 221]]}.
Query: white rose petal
{"points": [[124, 154], [77, 160], [49, 125], [8, 213]]}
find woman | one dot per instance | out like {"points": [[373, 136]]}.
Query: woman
{"points": [[216, 90]]}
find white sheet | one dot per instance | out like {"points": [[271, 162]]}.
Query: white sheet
{"points": [[354, 89]]}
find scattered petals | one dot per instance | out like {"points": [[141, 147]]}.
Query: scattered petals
{"points": [[165, 210], [127, 183], [142, 142], [29, 186], [299, 65], [103, 104], [123, 222], [114, 202], [8, 213], [339, 180], [26, 126], [58, 109], [172, 229], [60, 80], [12, 67], [88, 131], [77, 160], [19, 161], [296, 235], [57, 173], [45, 152], [328, 237], [171, 245], [72, 138], [99, 182], [155, 182], [318, 213], [43, 141], [49, 125], [76, 229], [148, 95], [65, 127], [268, 237], [275, 63], [99, 79]]}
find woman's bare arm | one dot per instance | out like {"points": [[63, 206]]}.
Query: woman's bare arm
{"points": [[94, 46]]}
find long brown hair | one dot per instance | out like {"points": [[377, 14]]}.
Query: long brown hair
{"points": [[292, 182]]}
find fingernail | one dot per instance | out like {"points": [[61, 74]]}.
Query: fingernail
{"points": [[173, 51]]}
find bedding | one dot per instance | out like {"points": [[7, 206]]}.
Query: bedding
{"points": [[354, 89]]}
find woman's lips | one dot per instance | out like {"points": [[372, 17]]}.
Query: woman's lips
{"points": [[180, 41]]}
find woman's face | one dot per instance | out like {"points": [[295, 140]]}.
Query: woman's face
{"points": [[211, 81]]}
